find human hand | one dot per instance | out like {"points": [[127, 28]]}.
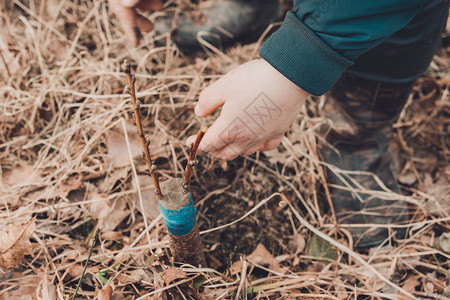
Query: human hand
{"points": [[132, 22], [258, 106]]}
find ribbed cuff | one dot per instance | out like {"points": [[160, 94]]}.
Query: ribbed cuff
{"points": [[300, 55]]}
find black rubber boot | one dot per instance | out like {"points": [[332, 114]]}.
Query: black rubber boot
{"points": [[219, 23], [361, 114]]}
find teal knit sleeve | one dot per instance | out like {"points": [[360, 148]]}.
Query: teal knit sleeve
{"points": [[320, 39]]}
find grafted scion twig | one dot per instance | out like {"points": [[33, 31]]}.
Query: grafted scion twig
{"points": [[145, 138], [192, 159]]}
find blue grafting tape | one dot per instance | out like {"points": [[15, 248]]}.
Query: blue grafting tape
{"points": [[180, 221]]}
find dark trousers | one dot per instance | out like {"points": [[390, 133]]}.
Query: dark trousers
{"points": [[407, 53]]}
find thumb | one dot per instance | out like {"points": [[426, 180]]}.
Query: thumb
{"points": [[190, 140], [210, 99], [127, 18]]}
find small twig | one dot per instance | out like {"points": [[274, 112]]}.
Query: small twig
{"points": [[6, 66], [243, 278], [192, 161], [330, 202], [145, 139], [6, 18], [94, 240], [321, 172]]}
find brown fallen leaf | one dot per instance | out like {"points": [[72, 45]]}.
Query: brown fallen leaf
{"points": [[339, 288], [297, 243], [111, 179], [149, 200], [117, 296], [24, 288], [117, 146], [46, 191], [112, 236], [105, 293], [138, 275], [439, 191], [428, 287], [20, 175], [21, 178], [213, 293], [75, 271], [15, 243], [118, 149], [408, 179], [410, 283], [260, 256], [444, 242], [47, 291], [109, 213], [171, 274]]}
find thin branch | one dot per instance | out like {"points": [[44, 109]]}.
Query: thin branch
{"points": [[6, 66], [94, 240], [145, 139], [330, 202], [6, 18], [192, 161]]}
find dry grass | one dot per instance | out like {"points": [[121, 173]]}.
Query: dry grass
{"points": [[69, 155]]}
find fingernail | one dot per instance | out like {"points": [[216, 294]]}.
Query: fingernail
{"points": [[197, 109]]}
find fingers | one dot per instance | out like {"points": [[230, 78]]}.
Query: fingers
{"points": [[215, 138], [228, 140], [233, 150], [210, 99], [129, 3], [143, 4], [227, 153], [190, 140], [133, 23], [225, 138], [127, 17], [268, 145], [271, 144], [144, 24], [251, 150], [149, 4], [229, 150]]}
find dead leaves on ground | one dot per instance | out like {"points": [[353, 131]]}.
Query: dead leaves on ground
{"points": [[108, 213], [260, 257], [22, 184], [105, 293], [444, 242], [411, 283], [30, 287], [19, 175], [117, 147], [171, 274], [15, 243]]}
